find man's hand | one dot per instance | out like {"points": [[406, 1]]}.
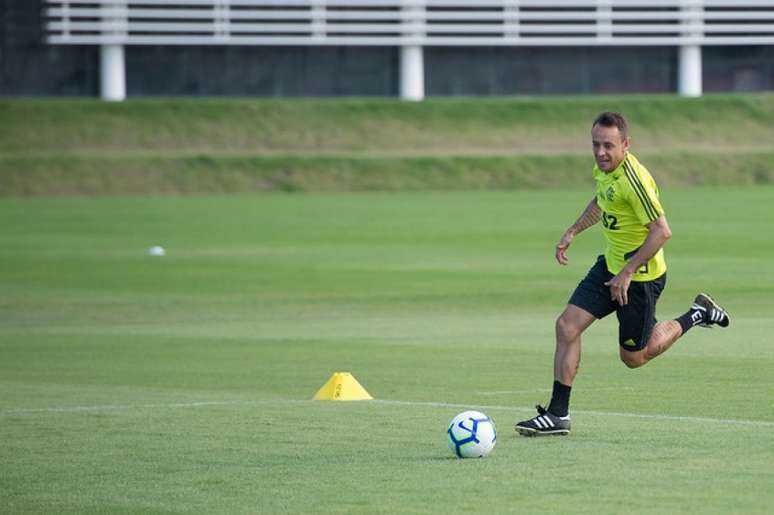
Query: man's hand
{"points": [[658, 234], [562, 246], [589, 217], [619, 287]]}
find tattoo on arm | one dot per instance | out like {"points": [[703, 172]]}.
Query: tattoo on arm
{"points": [[590, 216]]}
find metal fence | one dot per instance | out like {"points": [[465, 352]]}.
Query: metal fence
{"points": [[411, 22], [410, 25]]}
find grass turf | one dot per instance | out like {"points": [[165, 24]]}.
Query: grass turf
{"points": [[181, 384], [213, 146], [74, 176], [533, 125]]}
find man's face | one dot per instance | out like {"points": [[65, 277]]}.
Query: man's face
{"points": [[609, 147]]}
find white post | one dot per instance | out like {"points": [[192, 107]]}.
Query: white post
{"points": [[318, 17], [222, 19], [511, 19], [689, 73], [112, 73], [412, 73], [412, 63], [689, 57], [112, 68], [604, 19]]}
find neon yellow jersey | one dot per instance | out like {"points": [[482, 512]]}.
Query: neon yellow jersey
{"points": [[628, 198]]}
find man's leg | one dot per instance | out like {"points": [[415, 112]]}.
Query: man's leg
{"points": [[569, 327], [555, 420], [663, 336], [589, 302], [704, 312]]}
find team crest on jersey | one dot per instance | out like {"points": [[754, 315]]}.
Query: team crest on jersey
{"points": [[609, 194]]}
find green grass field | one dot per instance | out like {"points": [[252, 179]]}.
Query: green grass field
{"points": [[182, 384]]}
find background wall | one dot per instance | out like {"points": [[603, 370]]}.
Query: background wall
{"points": [[554, 70], [264, 71], [29, 67], [741, 68]]}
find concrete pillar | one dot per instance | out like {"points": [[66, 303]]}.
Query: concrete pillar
{"points": [[689, 72], [412, 73], [689, 55], [112, 73]]}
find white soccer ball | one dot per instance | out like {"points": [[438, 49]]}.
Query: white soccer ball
{"points": [[471, 434], [157, 251]]}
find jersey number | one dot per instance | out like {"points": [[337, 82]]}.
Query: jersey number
{"points": [[609, 221], [644, 268]]}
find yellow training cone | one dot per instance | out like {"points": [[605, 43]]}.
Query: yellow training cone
{"points": [[342, 386]]}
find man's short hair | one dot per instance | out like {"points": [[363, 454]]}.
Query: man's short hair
{"points": [[611, 119]]}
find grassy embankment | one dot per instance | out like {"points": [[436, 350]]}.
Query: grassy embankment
{"points": [[83, 147]]}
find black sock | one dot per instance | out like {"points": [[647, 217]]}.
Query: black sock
{"points": [[690, 319], [560, 400]]}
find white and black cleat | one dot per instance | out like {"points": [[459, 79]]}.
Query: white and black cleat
{"points": [[712, 313], [544, 424]]}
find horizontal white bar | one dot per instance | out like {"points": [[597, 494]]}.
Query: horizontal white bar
{"points": [[251, 3], [182, 14], [739, 29], [166, 27], [555, 29], [333, 16], [547, 4], [403, 41], [561, 3], [135, 12]]}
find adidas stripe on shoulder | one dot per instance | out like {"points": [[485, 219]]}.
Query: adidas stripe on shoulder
{"points": [[636, 184]]}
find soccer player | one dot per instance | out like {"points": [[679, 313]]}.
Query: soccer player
{"points": [[628, 278]]}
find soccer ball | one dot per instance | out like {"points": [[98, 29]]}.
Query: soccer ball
{"points": [[471, 434]]}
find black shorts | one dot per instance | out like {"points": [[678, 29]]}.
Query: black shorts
{"points": [[636, 319]]}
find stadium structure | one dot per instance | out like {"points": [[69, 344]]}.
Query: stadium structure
{"points": [[406, 48]]}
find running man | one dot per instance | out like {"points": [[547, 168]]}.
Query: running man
{"points": [[627, 279]]}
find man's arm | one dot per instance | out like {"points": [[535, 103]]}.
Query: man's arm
{"points": [[589, 217], [658, 234]]}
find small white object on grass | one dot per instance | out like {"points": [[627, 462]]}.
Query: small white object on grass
{"points": [[156, 250]]}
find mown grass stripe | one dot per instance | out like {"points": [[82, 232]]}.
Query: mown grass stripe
{"points": [[394, 402]]}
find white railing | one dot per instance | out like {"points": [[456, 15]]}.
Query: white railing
{"points": [[410, 25], [410, 22]]}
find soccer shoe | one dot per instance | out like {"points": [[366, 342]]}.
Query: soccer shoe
{"points": [[545, 424], [712, 313]]}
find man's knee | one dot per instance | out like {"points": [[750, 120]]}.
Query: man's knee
{"points": [[633, 359], [567, 330], [571, 324]]}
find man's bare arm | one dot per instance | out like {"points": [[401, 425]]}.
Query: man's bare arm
{"points": [[658, 234], [589, 217]]}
